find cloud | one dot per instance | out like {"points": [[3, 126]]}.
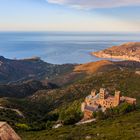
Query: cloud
{"points": [[89, 4]]}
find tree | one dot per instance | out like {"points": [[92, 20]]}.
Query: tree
{"points": [[100, 115], [126, 108], [71, 114]]}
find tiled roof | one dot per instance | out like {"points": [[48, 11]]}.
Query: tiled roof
{"points": [[91, 108]]}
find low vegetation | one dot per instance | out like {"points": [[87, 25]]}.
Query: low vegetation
{"points": [[45, 107], [114, 112], [124, 127]]}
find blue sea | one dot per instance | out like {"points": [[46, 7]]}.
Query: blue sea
{"points": [[60, 47]]}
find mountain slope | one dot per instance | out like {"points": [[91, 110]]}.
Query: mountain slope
{"points": [[105, 65], [14, 71], [61, 100], [24, 89], [45, 106]]}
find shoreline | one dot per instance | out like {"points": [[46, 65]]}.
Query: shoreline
{"points": [[101, 54]]}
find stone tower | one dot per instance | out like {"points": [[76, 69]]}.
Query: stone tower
{"points": [[102, 93], [117, 98], [93, 93]]}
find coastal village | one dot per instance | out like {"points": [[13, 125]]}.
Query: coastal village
{"points": [[101, 101]]}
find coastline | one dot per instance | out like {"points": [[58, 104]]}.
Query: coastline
{"points": [[127, 51], [101, 54]]}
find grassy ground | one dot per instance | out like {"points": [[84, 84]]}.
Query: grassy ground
{"points": [[125, 127]]}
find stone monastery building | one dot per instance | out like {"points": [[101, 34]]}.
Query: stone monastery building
{"points": [[103, 100]]}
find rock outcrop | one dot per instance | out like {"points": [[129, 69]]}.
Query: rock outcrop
{"points": [[127, 51], [7, 133]]}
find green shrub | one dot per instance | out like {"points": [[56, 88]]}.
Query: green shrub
{"points": [[71, 114], [51, 117], [100, 115], [23, 126], [49, 124], [126, 108], [119, 110], [72, 118], [37, 126], [94, 114]]}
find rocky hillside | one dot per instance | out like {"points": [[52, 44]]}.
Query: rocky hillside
{"points": [[127, 51], [15, 71]]}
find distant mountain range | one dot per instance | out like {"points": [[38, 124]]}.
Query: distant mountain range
{"points": [[16, 71], [20, 86], [127, 51]]}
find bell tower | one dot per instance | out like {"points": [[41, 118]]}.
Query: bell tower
{"points": [[102, 93], [117, 98]]}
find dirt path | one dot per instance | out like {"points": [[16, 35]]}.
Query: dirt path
{"points": [[15, 110], [87, 121]]}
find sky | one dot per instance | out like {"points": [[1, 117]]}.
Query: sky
{"points": [[70, 15]]}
